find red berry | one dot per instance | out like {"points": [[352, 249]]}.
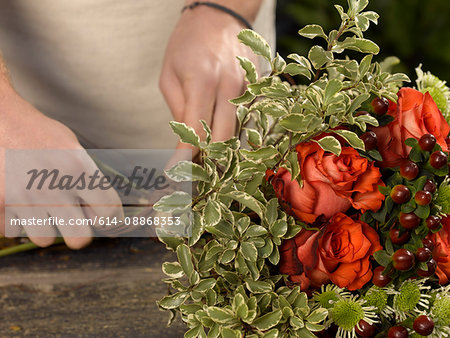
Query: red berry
{"points": [[380, 105], [431, 269], [423, 325], [423, 197], [438, 159], [400, 194], [409, 170], [427, 142], [409, 221], [430, 186], [370, 140], [433, 222], [403, 259], [427, 243], [367, 330], [398, 332], [398, 239], [378, 278], [423, 254]]}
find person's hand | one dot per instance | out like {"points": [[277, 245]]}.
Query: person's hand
{"points": [[201, 73], [23, 127]]}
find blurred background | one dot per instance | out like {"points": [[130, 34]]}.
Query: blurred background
{"points": [[416, 31]]}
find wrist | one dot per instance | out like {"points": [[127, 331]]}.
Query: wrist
{"points": [[248, 9]]}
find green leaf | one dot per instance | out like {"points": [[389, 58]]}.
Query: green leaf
{"points": [[195, 332], [220, 315], [185, 258], [274, 109], [248, 251], [351, 138], [296, 69], [365, 65], [179, 200], [187, 171], [230, 333], [331, 89], [255, 231], [357, 44], [312, 31], [205, 285], [292, 159], [294, 122], [173, 269], [268, 321], [254, 138], [247, 201], [245, 98], [318, 56], [250, 69], [423, 211], [256, 42], [211, 213], [358, 101], [279, 228], [278, 64], [301, 60], [186, 134], [261, 154], [317, 316], [382, 257], [272, 211], [173, 301], [242, 113], [259, 286], [329, 143]]}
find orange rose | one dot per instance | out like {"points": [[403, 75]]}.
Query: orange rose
{"points": [[331, 183], [441, 251], [340, 252], [415, 115]]}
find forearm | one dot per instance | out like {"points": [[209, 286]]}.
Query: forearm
{"points": [[247, 8]]}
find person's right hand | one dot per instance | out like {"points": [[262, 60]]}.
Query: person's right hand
{"points": [[23, 127]]}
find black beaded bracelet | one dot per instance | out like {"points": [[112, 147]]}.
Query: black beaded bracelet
{"points": [[220, 8]]}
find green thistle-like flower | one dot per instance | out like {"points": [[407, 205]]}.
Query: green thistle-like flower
{"points": [[329, 294], [427, 82], [346, 314], [410, 299], [440, 313], [443, 196], [378, 298]]}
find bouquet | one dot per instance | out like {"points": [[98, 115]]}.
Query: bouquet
{"points": [[328, 213]]}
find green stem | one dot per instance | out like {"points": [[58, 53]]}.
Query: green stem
{"points": [[25, 247]]}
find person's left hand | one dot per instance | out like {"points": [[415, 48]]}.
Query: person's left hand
{"points": [[201, 72]]}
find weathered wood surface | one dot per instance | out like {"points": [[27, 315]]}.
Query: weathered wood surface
{"points": [[106, 290]]}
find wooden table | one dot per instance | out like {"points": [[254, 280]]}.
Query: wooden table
{"points": [[108, 289]]}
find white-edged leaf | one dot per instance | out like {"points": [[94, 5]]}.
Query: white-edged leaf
{"points": [[319, 56], [268, 320], [351, 138], [332, 88], [247, 201], [187, 134], [211, 213], [312, 31], [187, 171], [331, 144], [179, 200], [245, 98], [296, 69], [250, 69], [256, 42], [173, 269]]}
